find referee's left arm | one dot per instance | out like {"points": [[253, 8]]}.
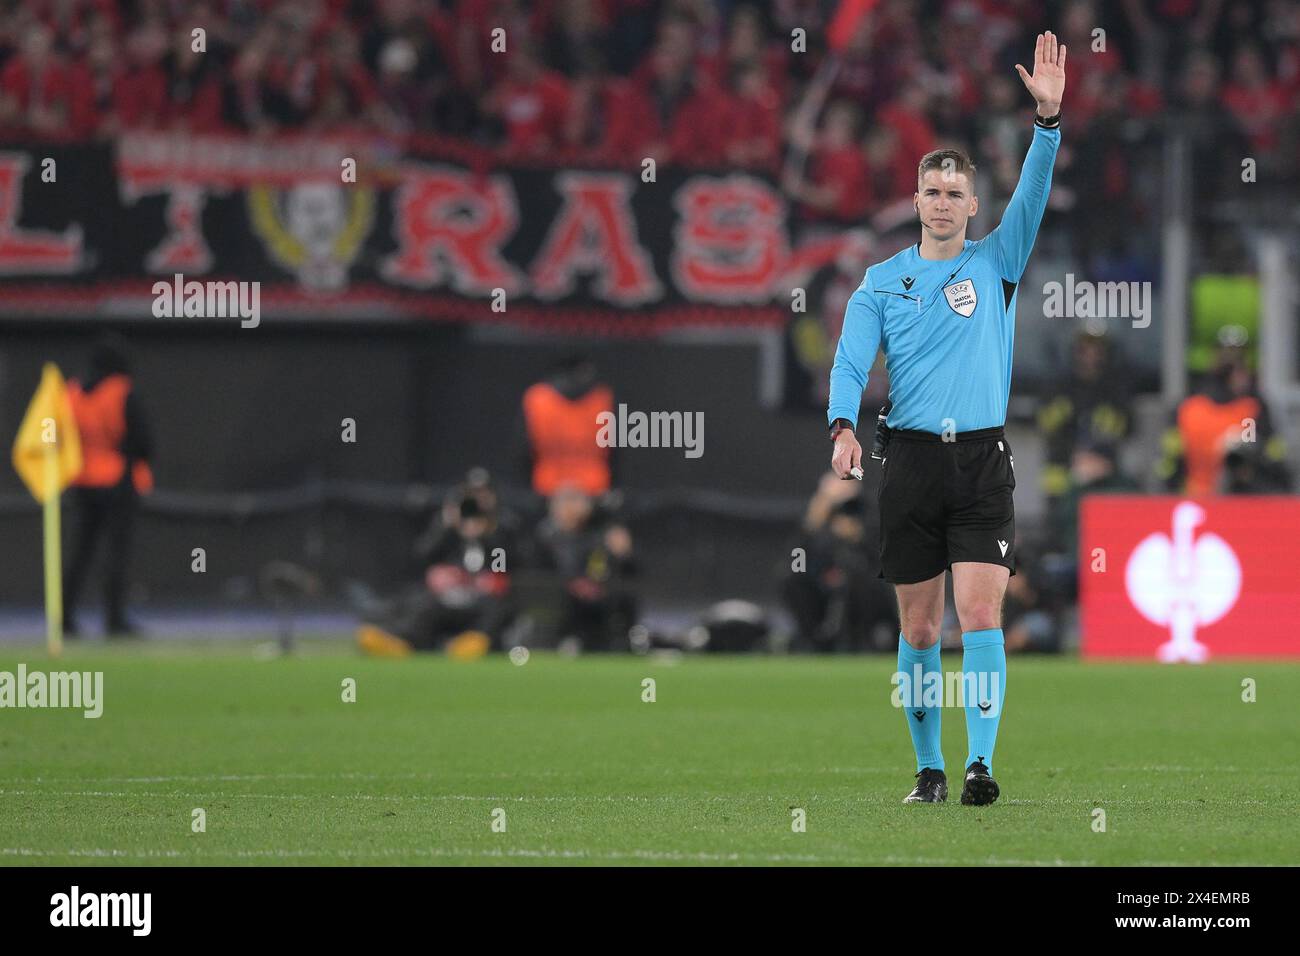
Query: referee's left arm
{"points": [[1013, 239]]}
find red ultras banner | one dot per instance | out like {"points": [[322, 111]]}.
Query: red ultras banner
{"points": [[1179, 579]]}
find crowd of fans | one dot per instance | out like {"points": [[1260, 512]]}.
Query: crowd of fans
{"points": [[701, 82]]}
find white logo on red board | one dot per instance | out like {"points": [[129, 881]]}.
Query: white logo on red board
{"points": [[1183, 582]]}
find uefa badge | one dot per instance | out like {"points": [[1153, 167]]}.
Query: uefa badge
{"points": [[961, 296]]}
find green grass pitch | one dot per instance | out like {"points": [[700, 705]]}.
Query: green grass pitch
{"points": [[585, 772]]}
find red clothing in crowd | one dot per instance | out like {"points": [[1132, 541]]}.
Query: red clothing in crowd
{"points": [[695, 131], [916, 136], [85, 116], [844, 170], [1144, 99], [1259, 110], [353, 82], [895, 179], [775, 66], [70, 20], [202, 112], [49, 86], [754, 140], [474, 22], [140, 98], [534, 113], [1088, 82]]}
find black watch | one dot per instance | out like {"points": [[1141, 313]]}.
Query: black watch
{"points": [[839, 425], [1047, 122]]}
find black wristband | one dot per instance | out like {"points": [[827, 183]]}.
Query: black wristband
{"points": [[1050, 122], [839, 425]]}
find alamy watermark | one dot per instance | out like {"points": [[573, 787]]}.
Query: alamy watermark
{"points": [[1099, 300], [919, 690], [78, 690], [179, 299], [75, 908], [624, 429]]}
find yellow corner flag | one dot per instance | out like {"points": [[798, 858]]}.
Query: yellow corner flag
{"points": [[47, 456]]}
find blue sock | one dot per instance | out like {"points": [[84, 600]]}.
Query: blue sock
{"points": [[984, 682], [925, 728]]}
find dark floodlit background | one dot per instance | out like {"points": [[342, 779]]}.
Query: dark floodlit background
{"points": [[785, 138]]}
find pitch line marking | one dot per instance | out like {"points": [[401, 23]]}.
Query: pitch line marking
{"points": [[503, 774], [565, 798], [552, 853], [519, 853]]}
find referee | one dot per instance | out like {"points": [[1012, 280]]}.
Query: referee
{"points": [[943, 311]]}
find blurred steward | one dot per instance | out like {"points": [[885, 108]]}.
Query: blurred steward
{"points": [[1223, 439], [836, 597], [463, 603], [560, 428], [1089, 405], [592, 557], [116, 446]]}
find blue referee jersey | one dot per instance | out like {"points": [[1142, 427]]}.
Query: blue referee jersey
{"points": [[947, 327]]}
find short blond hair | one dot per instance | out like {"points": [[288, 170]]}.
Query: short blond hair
{"points": [[943, 160]]}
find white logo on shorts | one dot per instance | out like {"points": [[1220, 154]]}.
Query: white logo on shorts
{"points": [[1003, 545]]}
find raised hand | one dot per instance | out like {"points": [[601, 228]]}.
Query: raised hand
{"points": [[1047, 85]]}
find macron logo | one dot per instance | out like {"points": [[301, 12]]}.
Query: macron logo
{"points": [[1003, 545], [103, 909]]}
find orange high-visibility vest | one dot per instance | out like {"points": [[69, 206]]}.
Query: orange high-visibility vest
{"points": [[563, 435], [101, 420], [1205, 425]]}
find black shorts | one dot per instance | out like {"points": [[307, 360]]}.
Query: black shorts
{"points": [[945, 501]]}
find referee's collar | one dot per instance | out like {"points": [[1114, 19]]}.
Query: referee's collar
{"points": [[966, 245]]}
